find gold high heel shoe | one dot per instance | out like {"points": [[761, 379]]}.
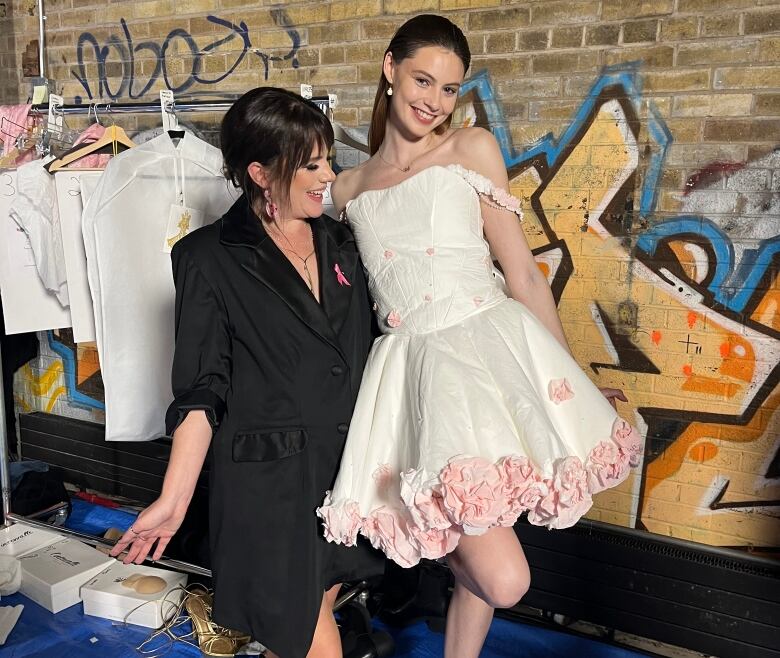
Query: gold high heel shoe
{"points": [[213, 639]]}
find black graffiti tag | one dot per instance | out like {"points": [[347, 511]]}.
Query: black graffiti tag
{"points": [[123, 50]]}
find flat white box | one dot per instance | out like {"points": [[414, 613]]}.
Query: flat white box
{"points": [[53, 575], [105, 595], [18, 539]]}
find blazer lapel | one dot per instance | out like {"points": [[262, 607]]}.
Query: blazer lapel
{"points": [[337, 260], [265, 262]]}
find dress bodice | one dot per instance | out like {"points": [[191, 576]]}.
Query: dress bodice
{"points": [[422, 244]]}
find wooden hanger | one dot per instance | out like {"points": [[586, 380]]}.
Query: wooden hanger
{"points": [[114, 136]]}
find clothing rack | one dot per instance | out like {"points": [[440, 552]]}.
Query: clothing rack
{"points": [[9, 517]]}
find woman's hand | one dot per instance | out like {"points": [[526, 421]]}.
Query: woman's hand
{"points": [[157, 523], [613, 394]]}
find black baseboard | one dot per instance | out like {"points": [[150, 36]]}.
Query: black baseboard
{"points": [[78, 449], [716, 601]]}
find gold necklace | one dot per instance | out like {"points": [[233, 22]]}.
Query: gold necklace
{"points": [[403, 169], [303, 260]]}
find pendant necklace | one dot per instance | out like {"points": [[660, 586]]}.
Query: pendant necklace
{"points": [[395, 166], [303, 260]]}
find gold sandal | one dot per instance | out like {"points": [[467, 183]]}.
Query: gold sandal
{"points": [[213, 639]]}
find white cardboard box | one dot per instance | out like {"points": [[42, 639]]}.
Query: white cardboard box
{"points": [[107, 596], [17, 539], [53, 575]]}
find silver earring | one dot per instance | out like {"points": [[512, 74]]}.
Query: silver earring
{"points": [[389, 91]]}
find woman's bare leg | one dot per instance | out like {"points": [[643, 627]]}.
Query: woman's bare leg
{"points": [[490, 572], [327, 641]]}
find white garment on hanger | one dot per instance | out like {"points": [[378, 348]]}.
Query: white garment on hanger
{"points": [[35, 210], [27, 305], [127, 227], [70, 197]]}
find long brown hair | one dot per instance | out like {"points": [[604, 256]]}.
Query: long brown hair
{"points": [[418, 32]]}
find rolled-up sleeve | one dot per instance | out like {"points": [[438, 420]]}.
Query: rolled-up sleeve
{"points": [[202, 357]]}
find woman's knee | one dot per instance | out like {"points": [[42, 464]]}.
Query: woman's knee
{"points": [[506, 587]]}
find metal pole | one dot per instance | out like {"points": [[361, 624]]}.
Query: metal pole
{"points": [[5, 478], [100, 541], [41, 45]]}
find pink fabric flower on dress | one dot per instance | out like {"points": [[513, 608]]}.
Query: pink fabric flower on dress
{"points": [[628, 439], [342, 522], [531, 497], [425, 505], [383, 476], [560, 390], [473, 493], [434, 544], [393, 319], [607, 466], [568, 497], [388, 254], [518, 475], [430, 251], [385, 530]]}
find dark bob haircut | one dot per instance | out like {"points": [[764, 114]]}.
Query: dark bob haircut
{"points": [[276, 128]]}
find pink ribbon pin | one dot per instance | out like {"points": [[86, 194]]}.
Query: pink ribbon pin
{"points": [[340, 276]]}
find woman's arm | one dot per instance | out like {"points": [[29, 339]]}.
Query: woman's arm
{"points": [[159, 522], [479, 151]]}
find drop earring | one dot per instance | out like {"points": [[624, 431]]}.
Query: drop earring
{"points": [[390, 91], [271, 209]]}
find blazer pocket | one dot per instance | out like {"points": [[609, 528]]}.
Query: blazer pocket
{"points": [[267, 445]]}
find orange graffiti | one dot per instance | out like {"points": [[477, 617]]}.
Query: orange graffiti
{"points": [[704, 452], [670, 461], [687, 369], [741, 359], [656, 337], [692, 317], [708, 385]]}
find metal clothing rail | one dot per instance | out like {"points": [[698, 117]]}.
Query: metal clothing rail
{"points": [[109, 108]]}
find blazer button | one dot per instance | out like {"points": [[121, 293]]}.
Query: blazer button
{"points": [[342, 428], [337, 370]]}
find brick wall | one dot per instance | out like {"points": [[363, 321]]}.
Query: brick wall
{"points": [[644, 136]]}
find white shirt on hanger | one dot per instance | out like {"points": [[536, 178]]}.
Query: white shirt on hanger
{"points": [[35, 210], [148, 197], [70, 185], [27, 304]]}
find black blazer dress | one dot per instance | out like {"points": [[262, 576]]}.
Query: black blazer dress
{"points": [[278, 375]]}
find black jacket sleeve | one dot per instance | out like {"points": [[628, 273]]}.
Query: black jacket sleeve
{"points": [[202, 357]]}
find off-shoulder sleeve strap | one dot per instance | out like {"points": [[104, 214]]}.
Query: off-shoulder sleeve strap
{"points": [[485, 188], [202, 362]]}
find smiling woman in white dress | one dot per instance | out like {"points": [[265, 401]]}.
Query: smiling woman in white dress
{"points": [[471, 410]]}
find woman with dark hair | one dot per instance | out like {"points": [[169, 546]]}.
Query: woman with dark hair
{"points": [[273, 327], [471, 410]]}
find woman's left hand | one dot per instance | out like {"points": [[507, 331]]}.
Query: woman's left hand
{"points": [[613, 394]]}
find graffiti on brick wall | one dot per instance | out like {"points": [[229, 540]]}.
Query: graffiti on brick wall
{"points": [[683, 313], [232, 40], [65, 379]]}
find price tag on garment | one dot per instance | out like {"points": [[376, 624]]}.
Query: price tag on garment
{"points": [[333, 101], [55, 119], [181, 221], [307, 91], [169, 120]]}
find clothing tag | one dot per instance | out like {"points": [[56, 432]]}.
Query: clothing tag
{"points": [[181, 221]]}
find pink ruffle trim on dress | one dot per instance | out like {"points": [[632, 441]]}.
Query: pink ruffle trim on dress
{"points": [[483, 185], [471, 495]]}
